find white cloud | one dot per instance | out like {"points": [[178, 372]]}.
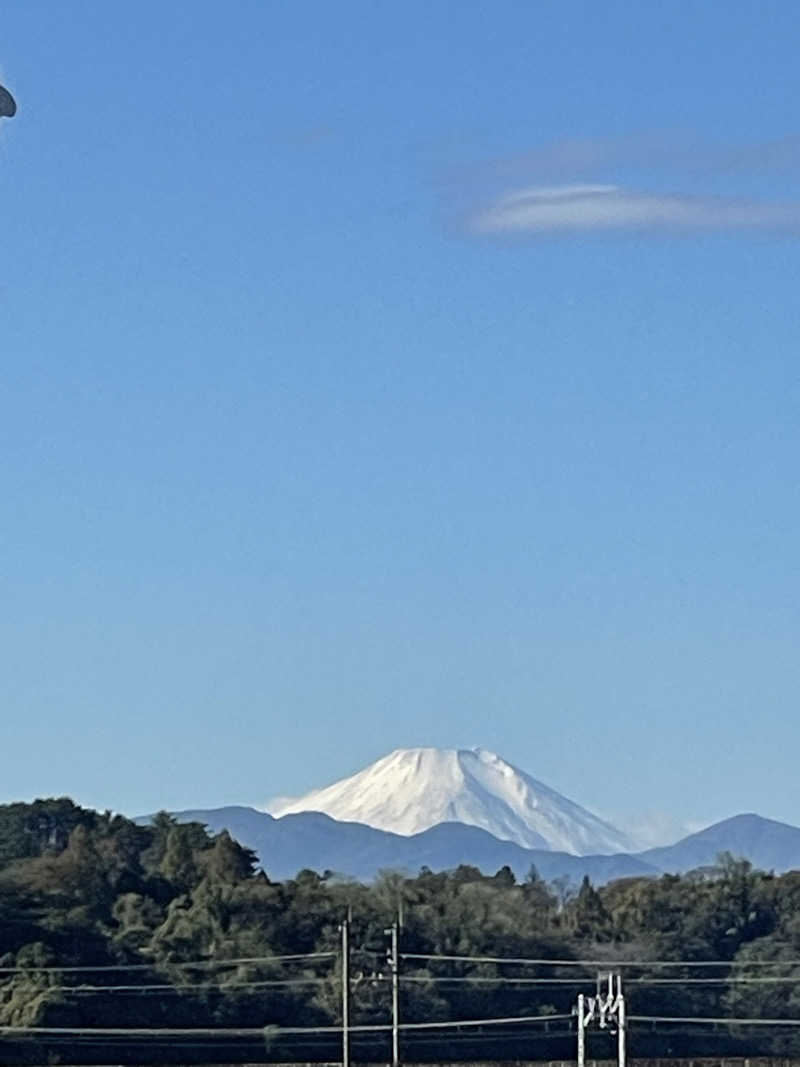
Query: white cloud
{"points": [[542, 210]]}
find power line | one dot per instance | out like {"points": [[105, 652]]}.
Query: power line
{"points": [[498, 980], [486, 1022], [223, 987], [704, 1019], [479, 979], [190, 965], [88, 1031], [233, 987], [766, 979], [579, 982], [490, 959], [277, 983], [267, 1031], [528, 961], [484, 980], [521, 961], [526, 1035]]}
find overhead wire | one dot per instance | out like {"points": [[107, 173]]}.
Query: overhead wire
{"points": [[500, 980], [541, 962], [722, 1021], [222, 987], [578, 982], [765, 979], [182, 965], [156, 965], [415, 1030], [527, 1035], [271, 1031], [431, 957], [479, 979]]}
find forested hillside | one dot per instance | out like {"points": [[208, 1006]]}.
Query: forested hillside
{"points": [[153, 912]]}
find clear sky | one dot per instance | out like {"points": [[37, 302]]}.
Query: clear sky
{"points": [[381, 374]]}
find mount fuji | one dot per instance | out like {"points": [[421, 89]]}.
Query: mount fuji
{"points": [[443, 808], [412, 790]]}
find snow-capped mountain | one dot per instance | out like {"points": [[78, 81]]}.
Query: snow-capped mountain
{"points": [[413, 789]]}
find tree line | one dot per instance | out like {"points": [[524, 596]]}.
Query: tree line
{"points": [[153, 913]]}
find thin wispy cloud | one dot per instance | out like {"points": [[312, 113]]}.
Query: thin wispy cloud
{"points": [[607, 208], [641, 184]]}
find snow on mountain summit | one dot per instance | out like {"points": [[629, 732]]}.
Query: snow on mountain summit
{"points": [[412, 789]]}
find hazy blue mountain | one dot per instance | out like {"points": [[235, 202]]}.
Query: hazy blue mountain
{"points": [[768, 844], [312, 840], [316, 841]]}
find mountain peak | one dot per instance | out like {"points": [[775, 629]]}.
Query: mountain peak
{"points": [[413, 789]]}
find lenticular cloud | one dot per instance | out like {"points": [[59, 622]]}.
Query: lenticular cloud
{"points": [[606, 208]]}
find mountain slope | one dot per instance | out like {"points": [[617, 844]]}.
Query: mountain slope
{"points": [[316, 841], [313, 840], [412, 790], [768, 844]]}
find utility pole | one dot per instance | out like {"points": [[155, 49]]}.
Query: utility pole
{"points": [[345, 929], [621, 1026], [394, 964], [607, 1011]]}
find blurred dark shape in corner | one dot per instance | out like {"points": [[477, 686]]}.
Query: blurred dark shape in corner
{"points": [[8, 105]]}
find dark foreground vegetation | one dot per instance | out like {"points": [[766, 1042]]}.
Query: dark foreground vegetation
{"points": [[153, 912]]}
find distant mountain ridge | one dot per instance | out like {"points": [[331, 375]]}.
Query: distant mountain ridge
{"points": [[768, 844], [440, 808], [414, 789], [313, 840]]}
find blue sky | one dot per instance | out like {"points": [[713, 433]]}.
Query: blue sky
{"points": [[399, 374]]}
